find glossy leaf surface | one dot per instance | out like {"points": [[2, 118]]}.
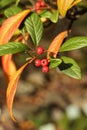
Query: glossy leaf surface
{"points": [[55, 44], [10, 25], [70, 67], [7, 30], [54, 63], [12, 48], [12, 11], [49, 15], [12, 87], [74, 43], [34, 27]]}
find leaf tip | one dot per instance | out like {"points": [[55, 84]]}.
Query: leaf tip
{"points": [[13, 118]]}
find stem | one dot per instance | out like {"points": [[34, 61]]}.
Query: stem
{"points": [[17, 2], [32, 2], [41, 8], [30, 59], [70, 25]]}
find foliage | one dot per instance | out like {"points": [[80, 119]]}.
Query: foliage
{"points": [[17, 20]]}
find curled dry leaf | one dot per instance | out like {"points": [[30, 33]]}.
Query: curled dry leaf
{"points": [[12, 87], [65, 5], [7, 30], [74, 3], [10, 25], [8, 66], [55, 45]]}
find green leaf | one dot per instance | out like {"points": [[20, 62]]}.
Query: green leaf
{"points": [[4, 3], [70, 67], [2, 20], [49, 15], [35, 28], [54, 16], [12, 48], [12, 11], [54, 63], [74, 43]]}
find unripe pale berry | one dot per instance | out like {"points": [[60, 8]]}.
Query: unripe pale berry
{"points": [[37, 62], [44, 62], [39, 50], [45, 69]]}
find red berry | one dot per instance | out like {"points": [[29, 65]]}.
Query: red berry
{"points": [[37, 5], [45, 69], [38, 10], [37, 62], [42, 4], [44, 62], [39, 50]]}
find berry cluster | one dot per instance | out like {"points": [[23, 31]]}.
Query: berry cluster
{"points": [[43, 62], [39, 4]]}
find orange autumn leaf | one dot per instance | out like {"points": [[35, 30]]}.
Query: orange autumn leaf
{"points": [[7, 30], [8, 66], [74, 3], [65, 5], [55, 45], [12, 87], [10, 25]]}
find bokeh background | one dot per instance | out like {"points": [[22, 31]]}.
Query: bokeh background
{"points": [[50, 101]]}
